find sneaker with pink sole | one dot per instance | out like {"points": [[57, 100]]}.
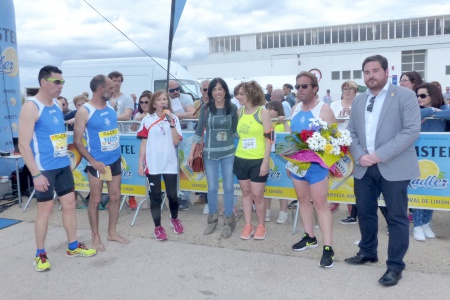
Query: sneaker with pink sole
{"points": [[260, 232], [160, 234], [177, 227], [247, 232]]}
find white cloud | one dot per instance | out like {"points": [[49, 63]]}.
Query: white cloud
{"points": [[49, 32]]}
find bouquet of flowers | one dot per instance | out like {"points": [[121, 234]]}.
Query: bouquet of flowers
{"points": [[322, 144]]}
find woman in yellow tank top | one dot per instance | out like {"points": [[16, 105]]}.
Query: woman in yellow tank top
{"points": [[251, 163]]}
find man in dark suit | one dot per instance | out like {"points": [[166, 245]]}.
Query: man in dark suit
{"points": [[384, 125]]}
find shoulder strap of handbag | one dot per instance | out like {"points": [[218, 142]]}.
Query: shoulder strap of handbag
{"points": [[198, 108], [156, 122], [204, 127]]}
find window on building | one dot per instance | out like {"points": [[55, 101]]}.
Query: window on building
{"points": [[335, 75], [447, 70], [355, 33], [270, 40], [295, 39], [341, 35], [384, 31], [264, 40], [282, 39], [438, 26], [327, 35], [357, 74], [431, 26], [414, 60], [301, 38], [346, 75], [407, 28], [227, 45], [414, 28], [321, 33], [217, 45], [362, 32], [289, 39], [447, 25], [370, 32], [398, 29], [334, 35], [392, 30], [276, 40], [233, 43], [422, 27], [313, 37], [377, 31], [238, 43], [348, 34], [308, 37]]}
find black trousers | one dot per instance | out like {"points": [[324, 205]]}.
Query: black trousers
{"points": [[170, 181], [367, 191]]}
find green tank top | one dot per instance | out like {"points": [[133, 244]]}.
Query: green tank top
{"points": [[251, 136]]}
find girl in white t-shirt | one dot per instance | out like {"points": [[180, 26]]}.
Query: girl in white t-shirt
{"points": [[160, 132]]}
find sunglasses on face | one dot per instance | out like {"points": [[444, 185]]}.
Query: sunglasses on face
{"points": [[370, 106], [56, 81], [205, 89], [143, 102], [175, 89], [303, 86], [422, 96]]}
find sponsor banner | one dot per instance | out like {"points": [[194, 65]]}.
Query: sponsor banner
{"points": [[132, 183], [430, 190]]}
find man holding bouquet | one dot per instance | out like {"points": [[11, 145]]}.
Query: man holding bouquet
{"points": [[384, 125], [311, 183]]}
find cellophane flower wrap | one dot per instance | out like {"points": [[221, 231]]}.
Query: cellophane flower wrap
{"points": [[321, 143]]}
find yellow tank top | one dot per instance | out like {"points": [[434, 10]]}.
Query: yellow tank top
{"points": [[279, 127], [251, 136]]}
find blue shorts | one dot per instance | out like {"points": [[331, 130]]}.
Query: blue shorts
{"points": [[314, 174]]}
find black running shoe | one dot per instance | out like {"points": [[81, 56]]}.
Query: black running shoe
{"points": [[305, 243], [327, 257]]}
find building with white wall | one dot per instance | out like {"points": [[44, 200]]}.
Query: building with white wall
{"points": [[420, 44]]}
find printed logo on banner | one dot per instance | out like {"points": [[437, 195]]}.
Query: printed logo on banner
{"points": [[9, 62], [431, 177]]}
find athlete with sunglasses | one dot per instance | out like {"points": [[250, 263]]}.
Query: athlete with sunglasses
{"points": [[43, 145]]}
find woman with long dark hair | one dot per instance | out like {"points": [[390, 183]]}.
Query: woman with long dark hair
{"points": [[432, 104], [219, 117]]}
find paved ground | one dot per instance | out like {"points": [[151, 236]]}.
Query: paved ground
{"points": [[194, 266]]}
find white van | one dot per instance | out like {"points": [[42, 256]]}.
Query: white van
{"points": [[139, 74]]}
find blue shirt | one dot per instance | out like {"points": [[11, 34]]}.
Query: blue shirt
{"points": [[102, 134], [49, 141]]}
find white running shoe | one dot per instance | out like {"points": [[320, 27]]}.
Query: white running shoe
{"points": [[429, 234]]}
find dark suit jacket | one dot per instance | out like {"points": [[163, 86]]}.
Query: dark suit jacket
{"points": [[398, 129]]}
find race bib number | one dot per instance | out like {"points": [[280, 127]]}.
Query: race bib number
{"points": [[59, 142], [295, 169], [109, 140], [249, 143]]}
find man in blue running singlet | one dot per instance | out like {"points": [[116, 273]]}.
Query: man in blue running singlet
{"points": [[312, 184], [43, 145], [96, 121]]}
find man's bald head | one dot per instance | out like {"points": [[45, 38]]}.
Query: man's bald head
{"points": [[277, 95]]}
